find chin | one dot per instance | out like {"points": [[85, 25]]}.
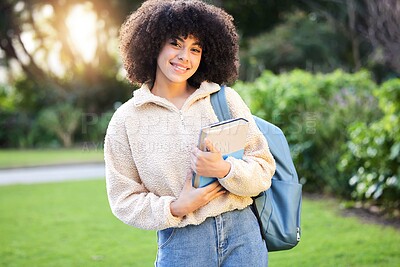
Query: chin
{"points": [[180, 79]]}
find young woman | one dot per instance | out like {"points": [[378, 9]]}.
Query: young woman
{"points": [[180, 51]]}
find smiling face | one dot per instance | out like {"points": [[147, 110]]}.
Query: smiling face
{"points": [[178, 60]]}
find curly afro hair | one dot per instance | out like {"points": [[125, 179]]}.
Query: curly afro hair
{"points": [[146, 30]]}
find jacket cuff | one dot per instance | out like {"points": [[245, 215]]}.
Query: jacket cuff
{"points": [[231, 171], [171, 220]]}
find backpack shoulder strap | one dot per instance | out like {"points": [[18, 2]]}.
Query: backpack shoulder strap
{"points": [[220, 105]]}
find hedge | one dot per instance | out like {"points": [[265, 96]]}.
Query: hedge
{"points": [[320, 115]]}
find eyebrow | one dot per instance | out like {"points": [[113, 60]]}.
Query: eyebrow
{"points": [[180, 39]]}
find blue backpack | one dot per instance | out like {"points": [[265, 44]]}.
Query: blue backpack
{"points": [[278, 208]]}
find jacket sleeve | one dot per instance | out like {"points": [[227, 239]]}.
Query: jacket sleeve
{"points": [[252, 174], [129, 199]]}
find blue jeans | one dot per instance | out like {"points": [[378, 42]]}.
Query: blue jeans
{"points": [[230, 239]]}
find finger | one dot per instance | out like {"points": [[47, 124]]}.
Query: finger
{"points": [[221, 191], [211, 186], [219, 188], [210, 146]]}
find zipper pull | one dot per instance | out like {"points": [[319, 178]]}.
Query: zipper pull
{"points": [[298, 234], [181, 116]]}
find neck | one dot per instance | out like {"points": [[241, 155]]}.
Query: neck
{"points": [[177, 94], [171, 90]]}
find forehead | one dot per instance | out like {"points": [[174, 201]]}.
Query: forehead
{"points": [[187, 39]]}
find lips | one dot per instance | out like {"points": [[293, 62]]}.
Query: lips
{"points": [[179, 67]]}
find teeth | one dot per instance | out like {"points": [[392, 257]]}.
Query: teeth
{"points": [[179, 67]]}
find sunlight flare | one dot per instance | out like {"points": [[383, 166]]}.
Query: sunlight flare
{"points": [[81, 23]]}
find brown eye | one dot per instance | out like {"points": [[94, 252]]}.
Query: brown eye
{"points": [[175, 43], [196, 50]]}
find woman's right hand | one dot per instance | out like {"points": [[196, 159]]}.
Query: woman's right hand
{"points": [[190, 199]]}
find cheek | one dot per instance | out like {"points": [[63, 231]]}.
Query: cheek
{"points": [[165, 53], [197, 61]]}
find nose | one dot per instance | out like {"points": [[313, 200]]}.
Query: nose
{"points": [[183, 55]]}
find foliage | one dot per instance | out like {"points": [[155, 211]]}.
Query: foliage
{"points": [[383, 30], [373, 152], [7, 98], [316, 35], [94, 126], [17, 120], [24, 104], [34, 36], [313, 110], [302, 41], [14, 129], [253, 17], [320, 35], [61, 120]]}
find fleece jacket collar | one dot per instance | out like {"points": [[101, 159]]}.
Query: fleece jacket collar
{"points": [[143, 95]]}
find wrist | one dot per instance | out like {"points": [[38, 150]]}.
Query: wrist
{"points": [[226, 168], [176, 209]]}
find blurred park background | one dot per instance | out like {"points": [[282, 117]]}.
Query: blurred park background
{"points": [[326, 71]]}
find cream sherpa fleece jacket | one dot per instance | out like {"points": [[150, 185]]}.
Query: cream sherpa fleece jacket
{"points": [[147, 156]]}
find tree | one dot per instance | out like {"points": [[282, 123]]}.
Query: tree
{"points": [[303, 41], [61, 120], [346, 16], [383, 30], [37, 38], [35, 34], [253, 17], [370, 26]]}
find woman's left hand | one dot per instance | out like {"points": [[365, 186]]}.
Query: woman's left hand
{"points": [[209, 163]]}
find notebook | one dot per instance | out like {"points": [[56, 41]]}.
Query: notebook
{"points": [[228, 137]]}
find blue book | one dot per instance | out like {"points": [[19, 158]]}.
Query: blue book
{"points": [[228, 137]]}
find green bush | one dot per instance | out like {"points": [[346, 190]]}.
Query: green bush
{"points": [[21, 130], [372, 159], [61, 120], [15, 129], [314, 110], [302, 41], [19, 105], [94, 126]]}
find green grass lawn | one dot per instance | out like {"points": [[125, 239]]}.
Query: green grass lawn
{"points": [[70, 224], [22, 158]]}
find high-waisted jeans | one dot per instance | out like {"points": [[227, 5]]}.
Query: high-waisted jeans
{"points": [[230, 239]]}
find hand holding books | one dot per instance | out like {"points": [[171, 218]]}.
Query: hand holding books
{"points": [[216, 143], [191, 199], [226, 138], [210, 162]]}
